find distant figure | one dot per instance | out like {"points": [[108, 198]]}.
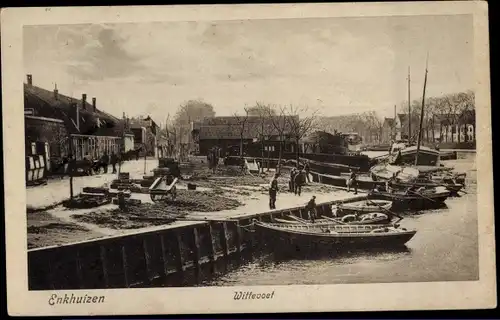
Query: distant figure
{"points": [[299, 181], [137, 154], [273, 190], [306, 170], [352, 182], [105, 162], [311, 209], [88, 164], [291, 184], [113, 161]]}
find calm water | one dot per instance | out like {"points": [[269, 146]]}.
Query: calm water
{"points": [[445, 248]]}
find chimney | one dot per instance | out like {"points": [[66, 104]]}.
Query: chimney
{"points": [[30, 79], [56, 92], [94, 104], [394, 112], [84, 101]]}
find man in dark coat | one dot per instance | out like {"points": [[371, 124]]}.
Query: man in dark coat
{"points": [[311, 209], [352, 182], [105, 162], [299, 181], [114, 161], [291, 183], [273, 190]]}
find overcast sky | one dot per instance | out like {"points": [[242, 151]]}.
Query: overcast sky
{"points": [[338, 65]]}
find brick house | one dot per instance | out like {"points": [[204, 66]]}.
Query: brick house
{"points": [[52, 117], [225, 132]]}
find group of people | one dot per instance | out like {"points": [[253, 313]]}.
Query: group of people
{"points": [[298, 178], [90, 166], [273, 191]]}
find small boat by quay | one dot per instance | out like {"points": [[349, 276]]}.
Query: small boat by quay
{"points": [[364, 206], [350, 219], [334, 236], [408, 199], [454, 188]]}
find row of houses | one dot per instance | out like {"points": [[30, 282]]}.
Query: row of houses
{"points": [[459, 128], [57, 125]]}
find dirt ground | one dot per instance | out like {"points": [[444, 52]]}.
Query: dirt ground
{"points": [[228, 190], [46, 230]]}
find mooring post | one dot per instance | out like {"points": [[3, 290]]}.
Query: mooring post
{"points": [[104, 265], [125, 266]]}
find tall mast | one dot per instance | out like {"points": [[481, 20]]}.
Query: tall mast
{"points": [[422, 111], [409, 106]]}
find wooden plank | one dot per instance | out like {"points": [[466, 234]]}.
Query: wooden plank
{"points": [[125, 266], [224, 239], [196, 248], [179, 259], [238, 237], [164, 256], [79, 273], [212, 243], [104, 265], [147, 259]]}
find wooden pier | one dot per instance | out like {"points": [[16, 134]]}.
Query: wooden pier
{"points": [[180, 254]]}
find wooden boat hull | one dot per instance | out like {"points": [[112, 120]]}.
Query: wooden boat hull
{"points": [[366, 206], [402, 202], [453, 188], [377, 221], [296, 237]]}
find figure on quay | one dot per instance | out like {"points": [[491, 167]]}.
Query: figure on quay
{"points": [[352, 181], [273, 190], [105, 162], [291, 183], [299, 181], [307, 168], [113, 161], [311, 209]]}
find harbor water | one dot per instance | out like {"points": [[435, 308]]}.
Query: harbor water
{"points": [[445, 248]]}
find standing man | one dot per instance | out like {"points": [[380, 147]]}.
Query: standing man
{"points": [[113, 160], [299, 182], [311, 209], [273, 190], [88, 164], [306, 169], [105, 162], [291, 185], [352, 182]]}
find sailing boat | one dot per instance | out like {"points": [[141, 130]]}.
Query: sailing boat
{"points": [[416, 166], [405, 152]]}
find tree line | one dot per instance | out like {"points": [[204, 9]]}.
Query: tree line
{"points": [[293, 123]]}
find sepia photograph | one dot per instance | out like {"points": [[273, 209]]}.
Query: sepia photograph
{"points": [[249, 154]]}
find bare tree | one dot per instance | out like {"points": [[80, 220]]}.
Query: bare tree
{"points": [[277, 116], [242, 121], [300, 125], [264, 127]]}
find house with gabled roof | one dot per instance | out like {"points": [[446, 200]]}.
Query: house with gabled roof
{"points": [[92, 130], [226, 133]]}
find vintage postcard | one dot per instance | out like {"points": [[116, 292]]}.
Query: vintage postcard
{"points": [[248, 158]]}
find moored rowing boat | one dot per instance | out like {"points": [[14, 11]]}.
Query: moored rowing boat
{"points": [[334, 236]]}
